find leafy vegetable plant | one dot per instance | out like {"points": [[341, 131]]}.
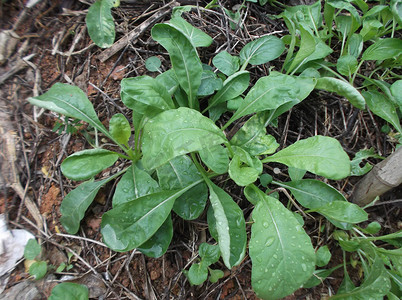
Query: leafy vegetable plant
{"points": [[177, 149]]}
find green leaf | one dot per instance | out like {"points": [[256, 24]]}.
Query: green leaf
{"points": [[134, 184], [209, 83], [342, 88], [197, 37], [383, 49], [372, 228], [343, 211], [69, 291], [145, 95], [230, 226], [100, 23], [243, 168], [312, 193], [270, 92], [307, 47], [38, 269], [177, 174], [32, 249], [184, 58], [216, 158], [322, 256], [120, 128], [320, 155], [346, 65], [359, 157], [355, 45], [70, 101], [86, 164], [226, 63], [375, 286], [307, 15], [215, 275], [131, 224], [252, 135], [210, 254], [177, 132], [396, 91], [153, 64], [296, 174], [232, 87], [396, 8], [340, 4], [262, 50], [169, 81], [158, 244], [383, 108], [197, 274], [76, 203], [280, 250]]}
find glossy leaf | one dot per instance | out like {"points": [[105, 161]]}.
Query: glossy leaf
{"points": [[120, 128], [342, 88], [197, 274], [216, 158], [197, 37], [262, 50], [86, 164], [343, 211], [69, 291], [383, 49], [232, 87], [230, 226], [100, 23], [183, 56], [76, 203], [376, 285], [158, 244], [177, 132], [209, 84], [307, 47], [319, 154], [312, 193], [131, 224], [272, 91], [210, 254], [323, 256], [70, 101], [252, 135], [383, 108], [243, 168], [177, 174], [134, 184], [280, 250], [145, 95], [153, 64], [226, 63]]}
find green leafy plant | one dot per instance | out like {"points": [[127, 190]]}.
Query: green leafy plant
{"points": [[37, 267], [69, 291], [178, 149]]}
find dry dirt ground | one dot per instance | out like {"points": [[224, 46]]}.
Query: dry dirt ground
{"points": [[54, 41]]}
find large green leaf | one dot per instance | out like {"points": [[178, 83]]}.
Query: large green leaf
{"points": [[226, 63], [197, 37], [383, 49], [343, 211], [307, 15], [145, 95], [272, 91], [232, 87], [72, 102], [75, 204], [176, 132], [86, 164], [312, 193], [210, 83], [375, 286], [184, 58], [131, 224], [230, 226], [177, 174], [100, 23], [281, 252], [262, 50], [383, 108], [169, 81], [243, 168], [120, 128], [319, 154], [342, 88], [307, 47], [158, 244], [134, 184], [252, 136], [69, 291], [216, 158]]}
